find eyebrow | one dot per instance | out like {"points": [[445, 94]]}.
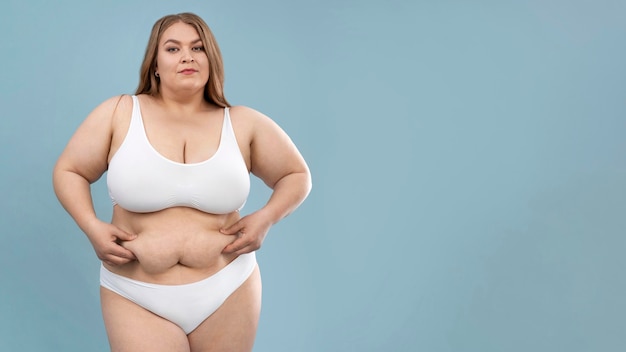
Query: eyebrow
{"points": [[178, 42]]}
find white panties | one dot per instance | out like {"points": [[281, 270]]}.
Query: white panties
{"points": [[185, 305]]}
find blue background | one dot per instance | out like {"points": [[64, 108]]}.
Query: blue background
{"points": [[468, 161]]}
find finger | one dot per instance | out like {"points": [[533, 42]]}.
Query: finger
{"points": [[119, 251], [125, 236], [236, 245], [245, 250], [113, 260], [251, 247], [242, 246], [234, 228]]}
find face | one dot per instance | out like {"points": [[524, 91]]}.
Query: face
{"points": [[182, 62]]}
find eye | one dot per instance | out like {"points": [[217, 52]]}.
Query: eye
{"points": [[198, 48], [171, 50]]}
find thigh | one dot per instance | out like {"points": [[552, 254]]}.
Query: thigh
{"points": [[233, 325], [132, 328]]}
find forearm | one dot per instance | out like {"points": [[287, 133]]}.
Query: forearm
{"points": [[288, 193], [74, 194]]}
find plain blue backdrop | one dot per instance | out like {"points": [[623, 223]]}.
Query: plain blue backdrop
{"points": [[468, 160]]}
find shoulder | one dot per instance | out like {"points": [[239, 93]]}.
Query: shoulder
{"points": [[244, 115], [115, 102], [241, 112], [110, 108], [109, 114], [260, 128], [252, 122]]}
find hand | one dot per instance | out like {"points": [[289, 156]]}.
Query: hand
{"points": [[250, 230], [106, 238]]}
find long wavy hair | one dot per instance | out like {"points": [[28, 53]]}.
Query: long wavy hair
{"points": [[214, 88]]}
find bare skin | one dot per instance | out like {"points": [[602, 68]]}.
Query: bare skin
{"points": [[179, 245]]}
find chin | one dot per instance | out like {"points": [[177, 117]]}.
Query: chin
{"points": [[190, 85]]}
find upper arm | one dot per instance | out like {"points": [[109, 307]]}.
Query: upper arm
{"points": [[87, 151], [273, 155]]}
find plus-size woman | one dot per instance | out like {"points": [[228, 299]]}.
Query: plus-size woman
{"points": [[179, 271]]}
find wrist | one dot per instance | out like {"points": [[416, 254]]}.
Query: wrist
{"points": [[88, 224], [269, 214]]}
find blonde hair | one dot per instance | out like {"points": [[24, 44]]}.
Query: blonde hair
{"points": [[214, 88]]}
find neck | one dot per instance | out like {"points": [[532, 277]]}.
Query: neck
{"points": [[183, 101]]}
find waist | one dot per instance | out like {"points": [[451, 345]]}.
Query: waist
{"points": [[174, 246]]}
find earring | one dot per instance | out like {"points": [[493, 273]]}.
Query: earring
{"points": [[156, 74]]}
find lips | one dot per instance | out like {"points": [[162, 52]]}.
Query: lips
{"points": [[188, 71]]}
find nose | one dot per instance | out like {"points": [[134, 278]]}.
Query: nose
{"points": [[187, 57]]}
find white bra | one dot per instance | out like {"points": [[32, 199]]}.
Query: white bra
{"points": [[142, 180]]}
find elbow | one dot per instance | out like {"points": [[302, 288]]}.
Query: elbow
{"points": [[308, 182], [299, 183], [56, 173]]}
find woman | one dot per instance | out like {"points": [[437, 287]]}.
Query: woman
{"points": [[178, 266]]}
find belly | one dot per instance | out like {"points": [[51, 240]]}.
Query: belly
{"points": [[174, 246], [158, 251]]}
